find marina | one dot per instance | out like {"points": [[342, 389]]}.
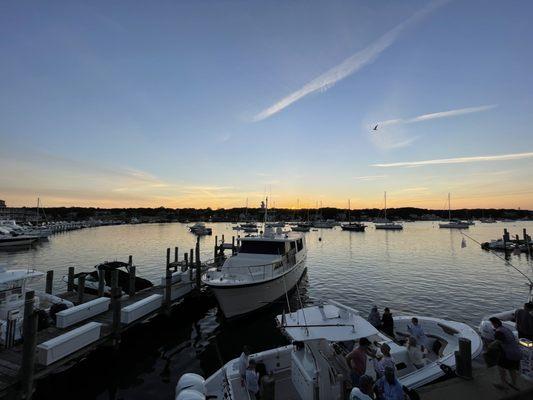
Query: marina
{"points": [[326, 259]]}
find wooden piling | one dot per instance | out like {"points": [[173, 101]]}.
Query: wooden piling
{"points": [[116, 294], [168, 290], [29, 345], [233, 245], [101, 282], [465, 358], [198, 267], [81, 288], [176, 258], [131, 291], [130, 260], [49, 281], [168, 257], [70, 281], [216, 249]]}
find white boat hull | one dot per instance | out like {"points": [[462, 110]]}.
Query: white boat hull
{"points": [[238, 300]]}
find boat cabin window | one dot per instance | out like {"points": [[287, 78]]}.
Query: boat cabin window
{"points": [[293, 245], [300, 244], [262, 247]]}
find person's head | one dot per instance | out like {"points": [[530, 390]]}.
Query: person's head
{"points": [[246, 350], [364, 342], [496, 322], [385, 349], [528, 306], [251, 365], [389, 374], [414, 320], [412, 341], [365, 384], [386, 310], [374, 308], [498, 335]]}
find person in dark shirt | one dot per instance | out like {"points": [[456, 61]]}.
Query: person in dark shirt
{"points": [[524, 321], [387, 323]]}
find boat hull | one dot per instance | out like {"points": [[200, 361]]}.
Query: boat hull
{"points": [[239, 300]]}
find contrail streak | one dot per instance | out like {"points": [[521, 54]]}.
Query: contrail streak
{"points": [[350, 65], [459, 160]]}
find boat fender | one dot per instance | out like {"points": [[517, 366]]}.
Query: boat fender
{"points": [[190, 394], [191, 381], [447, 370]]}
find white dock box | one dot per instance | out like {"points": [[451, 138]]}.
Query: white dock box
{"points": [[57, 348], [140, 308], [176, 277], [73, 315]]}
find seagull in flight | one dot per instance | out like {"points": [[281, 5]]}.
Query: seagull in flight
{"points": [[375, 128]]}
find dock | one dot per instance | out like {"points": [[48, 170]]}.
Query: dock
{"points": [[480, 387], [97, 320]]}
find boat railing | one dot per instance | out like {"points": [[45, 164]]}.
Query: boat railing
{"points": [[260, 272]]}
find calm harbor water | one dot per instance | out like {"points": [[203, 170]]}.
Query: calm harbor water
{"points": [[422, 269]]}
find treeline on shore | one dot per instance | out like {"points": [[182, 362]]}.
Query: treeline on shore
{"points": [[163, 214]]}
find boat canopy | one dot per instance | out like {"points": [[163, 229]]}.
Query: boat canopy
{"points": [[12, 275], [334, 322]]}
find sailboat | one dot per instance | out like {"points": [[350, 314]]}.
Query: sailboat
{"points": [[453, 224], [352, 226], [386, 224]]}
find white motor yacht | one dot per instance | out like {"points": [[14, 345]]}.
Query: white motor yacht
{"points": [[314, 366], [200, 229], [10, 239], [263, 270]]}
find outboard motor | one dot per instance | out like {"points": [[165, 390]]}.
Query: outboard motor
{"points": [[191, 387]]}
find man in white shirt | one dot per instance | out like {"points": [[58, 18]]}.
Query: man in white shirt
{"points": [[252, 380], [243, 362]]}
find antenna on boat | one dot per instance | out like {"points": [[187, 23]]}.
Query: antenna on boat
{"points": [[507, 262], [302, 308]]}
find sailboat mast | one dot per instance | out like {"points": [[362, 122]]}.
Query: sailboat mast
{"points": [[449, 208], [349, 209], [385, 195]]}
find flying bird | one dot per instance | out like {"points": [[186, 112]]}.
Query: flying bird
{"points": [[375, 128]]}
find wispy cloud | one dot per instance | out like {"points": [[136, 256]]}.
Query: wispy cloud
{"points": [[369, 177], [458, 160], [350, 65], [436, 115]]}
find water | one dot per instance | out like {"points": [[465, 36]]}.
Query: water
{"points": [[422, 269]]}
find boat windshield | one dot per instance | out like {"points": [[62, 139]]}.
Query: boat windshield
{"points": [[262, 247]]}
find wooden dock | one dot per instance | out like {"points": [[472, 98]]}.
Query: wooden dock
{"points": [[479, 388], [18, 365]]}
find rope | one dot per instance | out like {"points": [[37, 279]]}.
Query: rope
{"points": [[504, 259]]}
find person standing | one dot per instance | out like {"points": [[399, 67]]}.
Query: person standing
{"points": [[243, 362], [365, 389], [388, 387], [511, 353], [524, 321], [385, 361], [357, 358], [387, 323], [416, 331], [374, 318], [252, 380]]}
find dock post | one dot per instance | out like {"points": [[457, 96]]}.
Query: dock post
{"points": [[216, 248], [187, 266], [465, 359], [198, 267], [81, 288], [130, 260], [191, 260], [70, 282], [505, 240], [233, 245], [168, 290], [222, 238], [116, 305], [49, 281], [29, 333], [168, 257], [176, 259], [131, 291], [101, 282]]}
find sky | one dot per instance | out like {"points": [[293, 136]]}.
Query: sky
{"points": [[210, 103]]}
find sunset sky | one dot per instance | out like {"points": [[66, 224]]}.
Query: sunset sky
{"points": [[195, 104]]}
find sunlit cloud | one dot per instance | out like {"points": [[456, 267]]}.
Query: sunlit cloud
{"points": [[458, 160], [350, 65], [436, 115]]}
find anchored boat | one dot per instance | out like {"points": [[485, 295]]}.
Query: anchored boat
{"points": [[314, 366], [264, 269]]}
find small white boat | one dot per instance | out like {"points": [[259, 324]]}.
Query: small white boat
{"points": [[454, 223], [384, 223], [327, 224], [315, 366], [200, 229], [264, 269], [13, 288]]}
